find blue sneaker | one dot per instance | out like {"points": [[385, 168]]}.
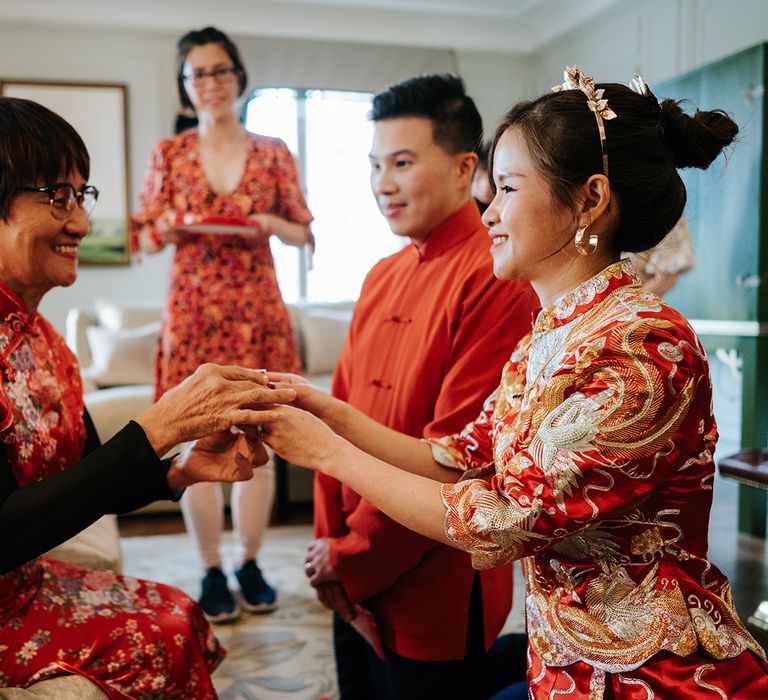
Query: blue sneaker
{"points": [[216, 600], [258, 595]]}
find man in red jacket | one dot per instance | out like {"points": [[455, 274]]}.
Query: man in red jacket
{"points": [[430, 334]]}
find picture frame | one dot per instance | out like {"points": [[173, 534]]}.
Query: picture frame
{"points": [[99, 113]]}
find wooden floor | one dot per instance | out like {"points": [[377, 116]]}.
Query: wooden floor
{"points": [[172, 523]]}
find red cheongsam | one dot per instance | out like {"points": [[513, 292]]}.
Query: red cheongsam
{"points": [[132, 638]]}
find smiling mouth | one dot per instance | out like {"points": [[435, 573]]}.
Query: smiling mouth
{"points": [[498, 239], [66, 249], [390, 209]]}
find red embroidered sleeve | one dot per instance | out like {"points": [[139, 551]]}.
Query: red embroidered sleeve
{"points": [[601, 433]]}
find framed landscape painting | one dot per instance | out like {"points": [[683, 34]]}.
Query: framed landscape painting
{"points": [[98, 111]]}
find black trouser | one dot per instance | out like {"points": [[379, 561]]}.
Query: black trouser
{"points": [[363, 676], [504, 668]]}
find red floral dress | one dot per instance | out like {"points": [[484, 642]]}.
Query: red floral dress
{"points": [[224, 303], [598, 446], [132, 638]]}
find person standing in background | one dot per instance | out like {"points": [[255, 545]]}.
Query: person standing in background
{"points": [[430, 333], [224, 303], [659, 267]]}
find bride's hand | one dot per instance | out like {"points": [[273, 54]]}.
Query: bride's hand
{"points": [[297, 436], [308, 397]]}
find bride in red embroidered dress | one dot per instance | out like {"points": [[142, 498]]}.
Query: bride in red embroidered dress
{"points": [[132, 638], [592, 462]]}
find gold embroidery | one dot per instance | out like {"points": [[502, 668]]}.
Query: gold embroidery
{"points": [[650, 695], [601, 411], [647, 542], [617, 601], [697, 679]]}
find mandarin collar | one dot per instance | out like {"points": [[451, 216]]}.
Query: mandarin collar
{"points": [[586, 296], [451, 232], [12, 305]]}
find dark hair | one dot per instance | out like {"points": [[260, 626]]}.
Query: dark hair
{"points": [[457, 125], [483, 150], [37, 147], [185, 121], [646, 143], [484, 161], [201, 37]]}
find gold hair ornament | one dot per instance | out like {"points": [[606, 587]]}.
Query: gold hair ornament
{"points": [[576, 80], [579, 241]]}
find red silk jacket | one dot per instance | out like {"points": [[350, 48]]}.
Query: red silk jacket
{"points": [[430, 334]]}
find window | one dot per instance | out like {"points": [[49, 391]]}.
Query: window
{"points": [[329, 133]]}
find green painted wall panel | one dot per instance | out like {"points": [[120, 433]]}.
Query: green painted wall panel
{"points": [[727, 212], [724, 204]]}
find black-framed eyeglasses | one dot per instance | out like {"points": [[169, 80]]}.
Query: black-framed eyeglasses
{"points": [[62, 197], [219, 75]]}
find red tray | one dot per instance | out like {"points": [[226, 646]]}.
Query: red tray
{"points": [[228, 225]]}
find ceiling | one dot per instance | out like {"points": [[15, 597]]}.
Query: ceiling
{"points": [[515, 26]]}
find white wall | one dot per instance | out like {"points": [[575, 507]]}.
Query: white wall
{"points": [[143, 62], [659, 39], [495, 82]]}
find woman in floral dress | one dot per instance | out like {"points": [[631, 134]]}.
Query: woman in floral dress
{"points": [[597, 448], [224, 303], [132, 638]]}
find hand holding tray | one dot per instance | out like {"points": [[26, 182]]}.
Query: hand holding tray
{"points": [[223, 225]]}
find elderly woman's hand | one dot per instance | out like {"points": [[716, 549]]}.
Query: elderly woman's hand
{"points": [[298, 436], [211, 400], [227, 456]]}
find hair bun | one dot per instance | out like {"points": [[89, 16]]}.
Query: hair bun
{"points": [[696, 141]]}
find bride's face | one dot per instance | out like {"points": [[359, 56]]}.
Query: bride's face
{"points": [[527, 225]]}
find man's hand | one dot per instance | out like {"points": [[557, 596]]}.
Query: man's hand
{"points": [[322, 578], [333, 596], [317, 565]]}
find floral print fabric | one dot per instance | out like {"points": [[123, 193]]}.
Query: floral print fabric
{"points": [[599, 445], [133, 638], [224, 303]]}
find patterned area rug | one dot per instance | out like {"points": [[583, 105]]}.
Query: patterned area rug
{"points": [[287, 654]]}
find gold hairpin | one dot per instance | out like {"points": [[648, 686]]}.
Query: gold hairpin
{"points": [[576, 80]]}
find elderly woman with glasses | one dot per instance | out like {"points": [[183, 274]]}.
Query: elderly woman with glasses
{"points": [[219, 193], [132, 638]]}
